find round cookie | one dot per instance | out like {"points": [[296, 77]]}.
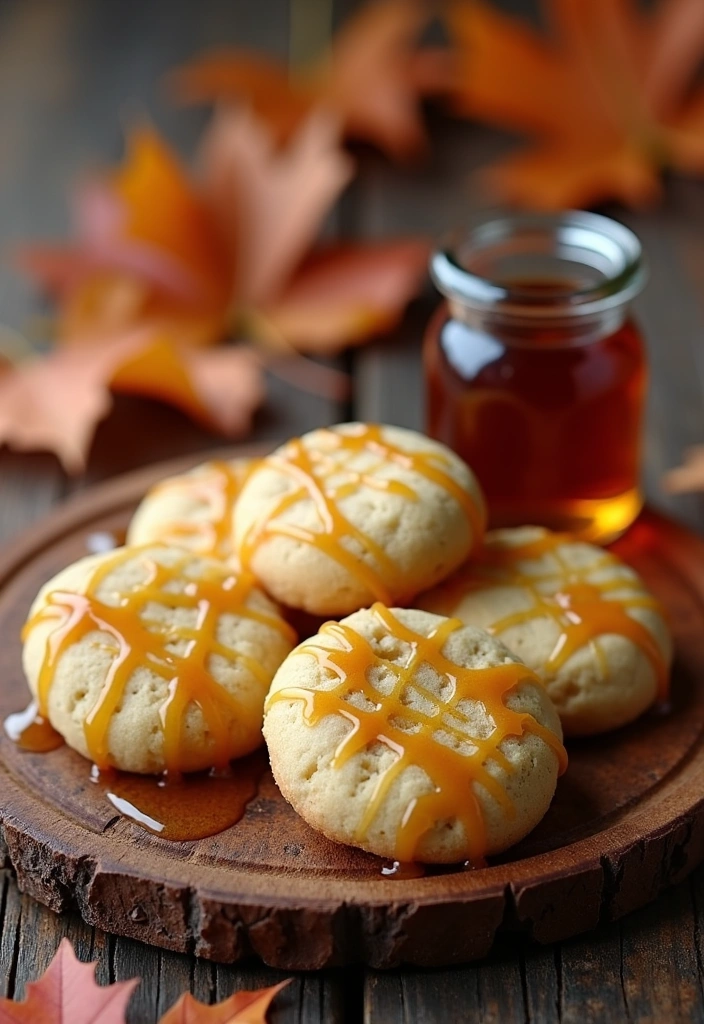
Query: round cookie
{"points": [[355, 513], [192, 510], [412, 736], [153, 659], [576, 614]]}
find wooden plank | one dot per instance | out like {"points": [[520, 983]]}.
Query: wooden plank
{"points": [[500, 990], [308, 999], [590, 980], [39, 934], [10, 914], [660, 970], [541, 983], [165, 977], [384, 998], [130, 959], [491, 992]]}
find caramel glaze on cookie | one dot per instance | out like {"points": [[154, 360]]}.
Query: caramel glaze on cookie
{"points": [[318, 475], [432, 735], [137, 641]]}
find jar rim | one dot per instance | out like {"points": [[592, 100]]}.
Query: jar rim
{"points": [[589, 239]]}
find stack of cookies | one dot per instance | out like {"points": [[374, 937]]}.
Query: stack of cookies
{"points": [[422, 716]]}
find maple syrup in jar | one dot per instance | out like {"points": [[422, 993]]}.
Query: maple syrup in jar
{"points": [[536, 373]]}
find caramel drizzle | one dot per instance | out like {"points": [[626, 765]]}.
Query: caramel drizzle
{"points": [[136, 640], [310, 471], [416, 736], [217, 486], [579, 605]]}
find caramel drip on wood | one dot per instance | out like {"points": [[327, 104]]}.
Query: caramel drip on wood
{"points": [[217, 486], [436, 738], [311, 471], [580, 606], [191, 807], [135, 640]]}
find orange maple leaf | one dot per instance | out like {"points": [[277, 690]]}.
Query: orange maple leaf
{"points": [[241, 1008], [67, 994], [342, 292], [54, 402], [372, 78], [196, 260], [608, 95]]}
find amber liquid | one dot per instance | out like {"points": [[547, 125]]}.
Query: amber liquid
{"points": [[552, 429]]}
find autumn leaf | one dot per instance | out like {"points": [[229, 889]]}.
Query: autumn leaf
{"points": [[55, 402], [166, 266], [241, 1008], [271, 203], [199, 260], [149, 250], [67, 994], [344, 293], [371, 78], [608, 92]]}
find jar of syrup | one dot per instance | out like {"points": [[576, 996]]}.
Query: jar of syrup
{"points": [[536, 372]]}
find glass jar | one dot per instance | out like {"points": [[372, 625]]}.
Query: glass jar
{"points": [[536, 373]]}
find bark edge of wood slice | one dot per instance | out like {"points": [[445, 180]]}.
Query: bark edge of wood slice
{"points": [[627, 821]]}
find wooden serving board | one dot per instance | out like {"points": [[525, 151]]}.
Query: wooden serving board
{"points": [[627, 820]]}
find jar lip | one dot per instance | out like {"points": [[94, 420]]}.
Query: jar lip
{"points": [[603, 242]]}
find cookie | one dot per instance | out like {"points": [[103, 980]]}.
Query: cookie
{"points": [[153, 659], [413, 736], [576, 614], [344, 516], [192, 510]]}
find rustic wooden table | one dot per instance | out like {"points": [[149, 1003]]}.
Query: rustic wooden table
{"points": [[69, 69]]}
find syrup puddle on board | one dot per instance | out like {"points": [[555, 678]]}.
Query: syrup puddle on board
{"points": [[187, 808], [190, 807]]}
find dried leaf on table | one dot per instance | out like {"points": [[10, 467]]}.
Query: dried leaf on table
{"points": [[372, 78], [270, 203], [55, 402], [148, 250], [67, 994], [344, 293], [197, 260], [241, 1008], [608, 92], [165, 266], [690, 475]]}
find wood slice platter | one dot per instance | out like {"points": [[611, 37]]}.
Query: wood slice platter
{"points": [[627, 820]]}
